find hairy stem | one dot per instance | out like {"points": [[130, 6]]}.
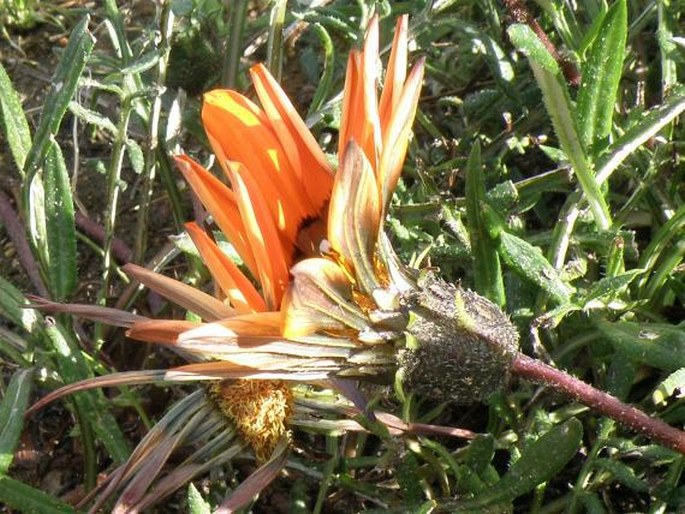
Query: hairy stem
{"points": [[537, 371]]}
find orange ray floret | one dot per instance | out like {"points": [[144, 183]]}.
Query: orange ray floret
{"points": [[220, 202], [239, 131], [240, 292], [305, 156], [272, 261]]}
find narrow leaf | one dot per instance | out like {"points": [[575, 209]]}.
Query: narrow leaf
{"points": [[25, 498], [14, 124], [487, 270], [59, 219], [539, 462], [601, 75], [656, 344], [529, 44], [64, 84], [528, 261], [12, 415]]}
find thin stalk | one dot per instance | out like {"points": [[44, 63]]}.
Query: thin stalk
{"points": [[139, 245], [629, 416], [231, 64], [274, 45], [112, 199]]}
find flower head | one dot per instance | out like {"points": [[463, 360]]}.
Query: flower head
{"points": [[302, 307]]}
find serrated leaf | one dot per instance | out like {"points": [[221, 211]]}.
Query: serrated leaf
{"points": [[601, 76], [659, 345], [12, 410], [667, 388], [529, 44], [60, 229], [528, 261], [539, 462], [15, 127]]}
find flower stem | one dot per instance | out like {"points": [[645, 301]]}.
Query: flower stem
{"points": [[537, 371]]}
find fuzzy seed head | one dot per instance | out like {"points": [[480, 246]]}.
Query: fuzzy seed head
{"points": [[459, 344]]}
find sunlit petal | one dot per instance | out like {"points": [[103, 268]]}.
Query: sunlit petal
{"points": [[239, 131], [396, 73], [220, 202], [305, 155], [396, 137], [235, 285], [272, 262]]}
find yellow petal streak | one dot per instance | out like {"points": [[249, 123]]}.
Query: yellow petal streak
{"points": [[259, 409]]}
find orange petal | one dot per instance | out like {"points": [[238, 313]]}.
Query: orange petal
{"points": [[396, 73], [220, 202], [235, 285], [305, 156], [165, 331], [186, 296], [354, 215], [396, 137], [239, 131], [272, 262]]}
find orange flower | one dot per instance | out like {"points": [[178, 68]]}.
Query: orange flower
{"points": [[330, 318]]}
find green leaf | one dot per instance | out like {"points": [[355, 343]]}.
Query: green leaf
{"points": [[528, 261], [487, 271], [640, 133], [59, 219], [622, 473], [16, 128], [529, 44], [92, 117], [64, 84], [30, 500], [539, 462], [196, 503], [11, 302], [601, 76], [675, 380], [611, 287], [12, 415], [91, 405], [659, 345]]}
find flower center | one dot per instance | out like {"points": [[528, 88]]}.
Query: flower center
{"points": [[259, 409]]}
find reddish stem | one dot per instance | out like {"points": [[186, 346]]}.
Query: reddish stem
{"points": [[521, 14], [537, 371]]}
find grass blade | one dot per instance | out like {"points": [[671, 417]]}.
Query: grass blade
{"points": [[24, 498]]}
